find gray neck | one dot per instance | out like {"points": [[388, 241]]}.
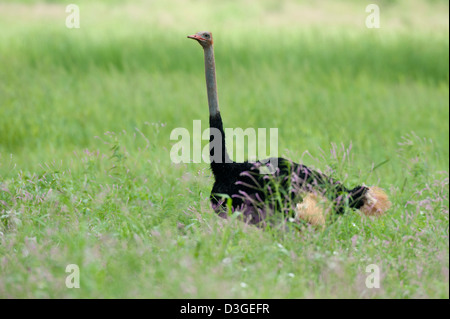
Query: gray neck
{"points": [[211, 85]]}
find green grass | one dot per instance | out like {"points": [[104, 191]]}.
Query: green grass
{"points": [[86, 177]]}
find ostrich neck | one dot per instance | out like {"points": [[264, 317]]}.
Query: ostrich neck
{"points": [[211, 84], [217, 148]]}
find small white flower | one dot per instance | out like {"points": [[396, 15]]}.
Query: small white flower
{"points": [[244, 285], [291, 275]]}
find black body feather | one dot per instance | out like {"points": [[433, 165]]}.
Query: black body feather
{"points": [[256, 195]]}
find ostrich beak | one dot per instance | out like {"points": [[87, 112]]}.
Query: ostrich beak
{"points": [[196, 37]]}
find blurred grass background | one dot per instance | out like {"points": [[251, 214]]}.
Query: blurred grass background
{"points": [[311, 69]]}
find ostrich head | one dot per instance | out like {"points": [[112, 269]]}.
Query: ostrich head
{"points": [[203, 37]]}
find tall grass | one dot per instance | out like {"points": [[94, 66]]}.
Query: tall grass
{"points": [[137, 79], [86, 177]]}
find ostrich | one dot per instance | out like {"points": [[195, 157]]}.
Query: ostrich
{"points": [[292, 188]]}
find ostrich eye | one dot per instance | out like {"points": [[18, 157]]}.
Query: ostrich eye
{"points": [[206, 35]]}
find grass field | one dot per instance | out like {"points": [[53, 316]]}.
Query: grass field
{"points": [[85, 172]]}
